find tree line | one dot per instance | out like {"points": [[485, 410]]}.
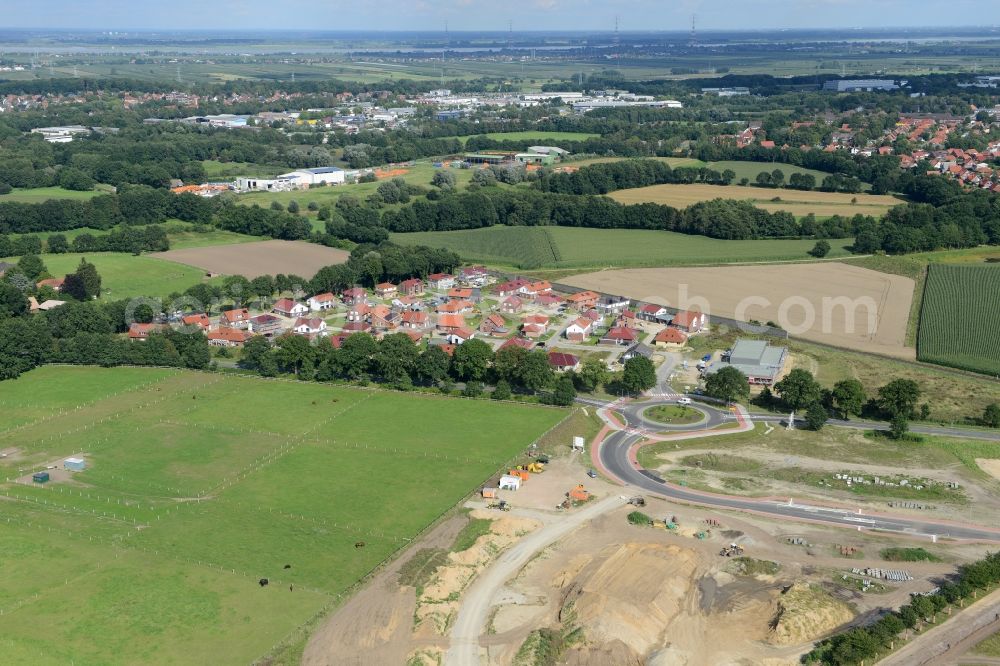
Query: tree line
{"points": [[864, 644]]}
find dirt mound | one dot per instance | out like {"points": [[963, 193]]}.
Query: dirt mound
{"points": [[991, 467], [806, 612], [633, 595]]}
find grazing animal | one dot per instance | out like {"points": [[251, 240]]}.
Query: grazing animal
{"points": [[290, 588], [359, 544], [288, 566], [262, 582]]}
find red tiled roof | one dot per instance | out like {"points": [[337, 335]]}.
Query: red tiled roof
{"points": [[671, 336], [561, 360]]}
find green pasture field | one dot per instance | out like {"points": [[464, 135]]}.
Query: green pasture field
{"points": [[180, 233], [537, 136], [40, 194], [197, 485], [960, 317], [569, 247], [126, 275]]}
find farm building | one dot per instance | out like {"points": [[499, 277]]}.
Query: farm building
{"points": [[756, 359], [75, 464]]}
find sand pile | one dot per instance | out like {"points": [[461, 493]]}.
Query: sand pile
{"points": [[438, 604], [632, 596], [806, 612]]}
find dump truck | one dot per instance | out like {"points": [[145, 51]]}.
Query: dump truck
{"points": [[502, 505], [731, 550]]}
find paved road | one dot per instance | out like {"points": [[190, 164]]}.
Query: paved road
{"points": [[945, 643], [478, 599], [615, 458]]}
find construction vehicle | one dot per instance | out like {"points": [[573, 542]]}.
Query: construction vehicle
{"points": [[637, 501], [535, 467], [544, 459], [731, 550], [502, 505]]}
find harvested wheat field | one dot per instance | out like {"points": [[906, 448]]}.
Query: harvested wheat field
{"points": [[263, 258], [828, 302], [796, 202]]}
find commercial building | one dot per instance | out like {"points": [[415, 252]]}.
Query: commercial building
{"points": [[756, 359], [862, 85], [304, 178]]}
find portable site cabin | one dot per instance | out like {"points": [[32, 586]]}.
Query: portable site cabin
{"points": [[74, 464], [508, 482], [490, 493], [578, 443], [521, 474], [40, 477]]}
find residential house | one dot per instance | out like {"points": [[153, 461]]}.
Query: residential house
{"points": [[619, 335], [416, 336], [460, 336], [384, 318], [533, 289], [411, 287], [239, 318], [440, 281], [510, 288], [267, 325], [354, 295], [613, 305], [583, 300], [5, 267], [548, 300], [628, 319], [533, 331], [385, 290], [523, 343], [319, 302], [455, 307], [200, 320], [450, 323], [494, 325], [415, 320], [561, 362], [474, 276], [408, 303], [336, 340], [359, 312], [356, 327], [137, 331], [442, 344], [309, 326], [670, 338], [652, 312], [638, 349], [511, 305], [690, 321], [228, 337], [463, 294], [579, 330], [289, 308], [50, 304]]}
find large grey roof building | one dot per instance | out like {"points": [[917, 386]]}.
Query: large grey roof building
{"points": [[756, 359]]}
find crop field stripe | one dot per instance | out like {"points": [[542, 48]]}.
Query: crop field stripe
{"points": [[960, 318]]}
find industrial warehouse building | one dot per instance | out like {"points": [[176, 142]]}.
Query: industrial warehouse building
{"points": [[756, 359]]}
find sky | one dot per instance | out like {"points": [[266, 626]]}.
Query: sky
{"points": [[392, 15]]}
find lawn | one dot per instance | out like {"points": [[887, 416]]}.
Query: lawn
{"points": [[797, 202], [960, 318], [126, 275], [537, 136], [153, 553], [40, 194], [570, 247]]}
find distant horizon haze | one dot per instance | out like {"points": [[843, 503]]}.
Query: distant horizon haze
{"points": [[484, 15]]}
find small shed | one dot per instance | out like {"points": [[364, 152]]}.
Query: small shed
{"points": [[490, 493], [75, 464], [508, 482], [40, 477], [578, 443]]}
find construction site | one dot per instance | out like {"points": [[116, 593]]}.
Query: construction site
{"points": [[567, 565]]}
